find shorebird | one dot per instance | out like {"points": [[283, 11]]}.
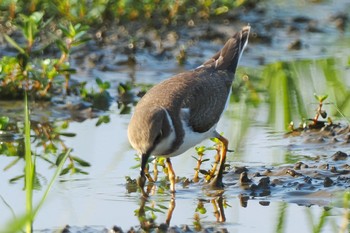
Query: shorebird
{"points": [[184, 110]]}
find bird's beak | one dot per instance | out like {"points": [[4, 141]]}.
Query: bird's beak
{"points": [[144, 160], [142, 179]]}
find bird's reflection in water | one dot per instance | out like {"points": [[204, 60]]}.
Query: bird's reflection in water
{"points": [[149, 209], [147, 213]]}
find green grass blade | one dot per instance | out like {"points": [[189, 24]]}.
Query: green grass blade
{"points": [[16, 225], [29, 166], [52, 181], [14, 43]]}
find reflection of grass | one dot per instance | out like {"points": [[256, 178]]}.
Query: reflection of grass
{"points": [[281, 218], [290, 87], [345, 226]]}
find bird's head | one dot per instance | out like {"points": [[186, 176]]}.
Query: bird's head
{"points": [[148, 127]]}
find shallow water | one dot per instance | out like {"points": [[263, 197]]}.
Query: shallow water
{"points": [[100, 200]]}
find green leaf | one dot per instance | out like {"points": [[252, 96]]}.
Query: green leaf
{"points": [[4, 120], [14, 43], [65, 125], [204, 172], [37, 16], [22, 59], [14, 179], [320, 98], [62, 46], [81, 41], [221, 10], [69, 70], [162, 207], [81, 161], [78, 170], [72, 31], [324, 97], [66, 170], [51, 148], [12, 163], [59, 158], [106, 85], [36, 182], [99, 82], [103, 119], [68, 134]]}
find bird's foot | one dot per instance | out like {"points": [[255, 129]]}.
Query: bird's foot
{"points": [[141, 183], [216, 183]]}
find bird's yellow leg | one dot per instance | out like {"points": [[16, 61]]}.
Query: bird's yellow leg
{"points": [[171, 175], [216, 162], [217, 181]]}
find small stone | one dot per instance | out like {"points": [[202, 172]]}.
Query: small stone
{"points": [[324, 166], [333, 169], [243, 200], [300, 165], [327, 182], [264, 182], [170, 230], [308, 180], [66, 229], [243, 179], [223, 230], [265, 192], [163, 227], [117, 229], [276, 181], [293, 173], [253, 187], [266, 172], [339, 155], [264, 203], [186, 228], [239, 170], [295, 45]]}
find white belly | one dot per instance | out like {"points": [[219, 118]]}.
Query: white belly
{"points": [[190, 140]]}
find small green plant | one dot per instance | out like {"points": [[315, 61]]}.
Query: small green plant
{"points": [[4, 121], [200, 152], [101, 99], [319, 111], [29, 71], [125, 97]]}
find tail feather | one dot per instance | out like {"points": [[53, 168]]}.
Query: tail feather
{"points": [[228, 57]]}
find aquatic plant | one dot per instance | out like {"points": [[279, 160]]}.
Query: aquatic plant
{"points": [[27, 70], [99, 11]]}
